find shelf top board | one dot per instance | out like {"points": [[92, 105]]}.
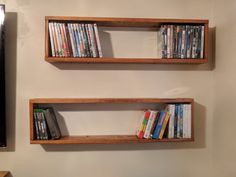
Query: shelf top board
{"points": [[106, 139], [126, 22], [108, 100]]}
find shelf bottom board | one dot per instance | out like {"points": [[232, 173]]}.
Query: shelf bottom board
{"points": [[127, 60], [106, 139]]}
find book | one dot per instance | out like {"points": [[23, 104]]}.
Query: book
{"points": [[202, 42], [81, 41], [179, 31], [64, 48], [36, 125], [162, 30], [183, 44], [180, 121], [143, 124], [175, 41], [188, 44], [77, 41], [68, 40], [171, 110], [93, 44], [97, 40], [42, 127], [154, 124], [45, 128], [56, 48], [59, 40], [51, 39], [168, 41], [73, 40], [163, 128], [52, 123], [185, 121], [191, 41], [189, 120], [88, 40], [64, 36], [83, 38], [171, 41], [150, 123], [160, 122]]}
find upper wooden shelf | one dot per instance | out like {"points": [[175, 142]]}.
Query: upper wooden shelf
{"points": [[126, 22]]}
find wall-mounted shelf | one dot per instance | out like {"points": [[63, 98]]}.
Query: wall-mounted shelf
{"points": [[105, 139], [4, 173], [125, 60], [130, 23]]}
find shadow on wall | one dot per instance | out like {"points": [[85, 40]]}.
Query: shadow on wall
{"points": [[212, 47], [199, 142], [108, 51], [98, 107], [10, 71]]}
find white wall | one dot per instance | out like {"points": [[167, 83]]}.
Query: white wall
{"points": [[224, 121], [29, 76]]}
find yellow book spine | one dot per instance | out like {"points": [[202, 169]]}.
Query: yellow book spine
{"points": [[164, 125]]}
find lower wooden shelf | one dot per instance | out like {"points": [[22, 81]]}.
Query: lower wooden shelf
{"points": [[106, 139]]}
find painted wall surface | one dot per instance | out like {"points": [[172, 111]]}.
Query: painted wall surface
{"points": [[29, 76], [224, 122]]}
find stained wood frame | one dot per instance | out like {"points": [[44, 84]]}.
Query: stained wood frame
{"points": [[105, 139], [126, 22]]}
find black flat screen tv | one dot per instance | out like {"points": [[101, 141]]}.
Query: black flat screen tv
{"points": [[3, 142]]}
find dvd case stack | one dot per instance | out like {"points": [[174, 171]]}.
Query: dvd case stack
{"points": [[182, 41], [45, 124], [74, 40]]}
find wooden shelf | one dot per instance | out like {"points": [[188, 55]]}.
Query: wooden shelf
{"points": [[126, 22], [125, 60], [107, 100], [104, 139], [4, 173]]}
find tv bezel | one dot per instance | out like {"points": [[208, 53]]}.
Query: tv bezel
{"points": [[3, 137]]}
